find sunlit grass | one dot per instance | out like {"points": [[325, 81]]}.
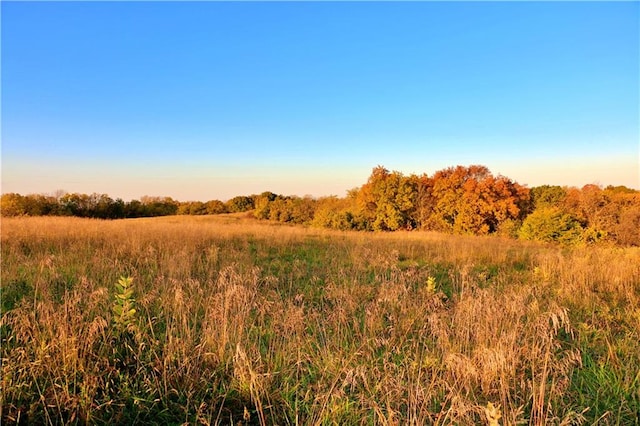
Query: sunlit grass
{"points": [[241, 321]]}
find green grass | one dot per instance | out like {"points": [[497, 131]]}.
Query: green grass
{"points": [[238, 321]]}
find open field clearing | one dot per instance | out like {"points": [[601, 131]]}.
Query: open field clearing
{"points": [[227, 320]]}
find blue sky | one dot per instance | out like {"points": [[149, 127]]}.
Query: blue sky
{"points": [[206, 100]]}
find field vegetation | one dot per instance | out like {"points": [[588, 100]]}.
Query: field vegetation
{"points": [[456, 200], [226, 319]]}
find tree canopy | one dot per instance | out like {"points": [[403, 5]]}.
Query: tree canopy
{"points": [[461, 200]]}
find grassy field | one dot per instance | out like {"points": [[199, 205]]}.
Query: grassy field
{"points": [[231, 321]]}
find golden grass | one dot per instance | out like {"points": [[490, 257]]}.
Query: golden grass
{"points": [[239, 321]]}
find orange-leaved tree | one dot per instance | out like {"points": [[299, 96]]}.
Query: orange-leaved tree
{"points": [[470, 200]]}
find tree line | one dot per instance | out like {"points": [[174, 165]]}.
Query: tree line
{"points": [[460, 200], [101, 206]]}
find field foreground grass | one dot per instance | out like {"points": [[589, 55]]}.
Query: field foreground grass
{"points": [[231, 321]]}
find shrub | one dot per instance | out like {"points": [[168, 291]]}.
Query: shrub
{"points": [[550, 224]]}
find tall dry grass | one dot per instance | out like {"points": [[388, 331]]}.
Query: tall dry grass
{"points": [[243, 322]]}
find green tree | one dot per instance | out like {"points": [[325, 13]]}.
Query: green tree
{"points": [[158, 206], [100, 206], [134, 208], [302, 209], [75, 204], [387, 200], [240, 203], [550, 224], [547, 196], [215, 207], [336, 213], [424, 200], [262, 204]]}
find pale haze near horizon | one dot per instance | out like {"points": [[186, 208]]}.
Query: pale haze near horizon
{"points": [[202, 101]]}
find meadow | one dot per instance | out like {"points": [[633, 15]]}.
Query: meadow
{"points": [[228, 320]]}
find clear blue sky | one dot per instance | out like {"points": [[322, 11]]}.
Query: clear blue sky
{"points": [[207, 100]]}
